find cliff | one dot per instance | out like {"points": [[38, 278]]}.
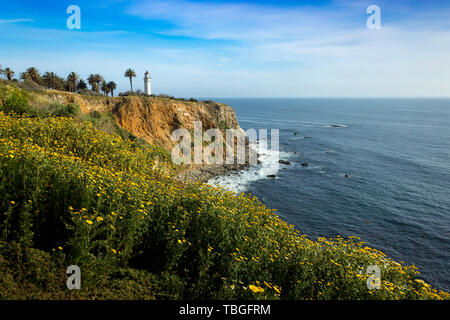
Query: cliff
{"points": [[152, 119]]}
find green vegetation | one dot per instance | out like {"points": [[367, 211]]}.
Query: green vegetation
{"points": [[14, 100], [95, 80], [130, 73], [223, 125], [61, 110], [72, 79], [111, 87], [73, 194], [9, 74], [33, 80]]}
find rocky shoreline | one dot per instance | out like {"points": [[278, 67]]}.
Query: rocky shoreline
{"points": [[207, 172]]}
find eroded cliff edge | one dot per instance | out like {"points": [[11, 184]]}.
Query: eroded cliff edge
{"points": [[154, 118]]}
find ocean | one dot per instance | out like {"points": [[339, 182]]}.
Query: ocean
{"points": [[378, 169]]}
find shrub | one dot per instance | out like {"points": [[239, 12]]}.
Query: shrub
{"points": [[14, 100], [88, 92], [137, 93], [29, 84], [112, 207], [64, 110], [223, 125]]}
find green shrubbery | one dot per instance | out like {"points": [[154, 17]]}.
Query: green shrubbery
{"points": [[64, 110], [88, 92], [14, 100], [109, 203], [71, 194]]}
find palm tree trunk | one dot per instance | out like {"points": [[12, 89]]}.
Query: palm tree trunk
{"points": [[131, 84], [112, 93]]}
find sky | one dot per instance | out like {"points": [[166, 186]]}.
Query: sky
{"points": [[207, 48]]}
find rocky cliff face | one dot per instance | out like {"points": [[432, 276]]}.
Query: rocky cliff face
{"points": [[150, 118], [154, 119]]}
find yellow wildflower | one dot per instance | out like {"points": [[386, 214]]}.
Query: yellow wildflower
{"points": [[255, 288]]}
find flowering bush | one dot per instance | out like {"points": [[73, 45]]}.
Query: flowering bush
{"points": [[14, 100], [84, 197]]}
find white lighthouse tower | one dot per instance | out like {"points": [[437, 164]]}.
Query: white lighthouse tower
{"points": [[147, 83]]}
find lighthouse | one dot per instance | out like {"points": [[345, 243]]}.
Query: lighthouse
{"points": [[147, 83]]}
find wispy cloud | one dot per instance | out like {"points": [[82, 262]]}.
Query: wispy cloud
{"points": [[246, 21], [15, 20]]}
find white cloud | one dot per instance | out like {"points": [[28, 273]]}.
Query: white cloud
{"points": [[318, 51], [298, 51], [16, 20], [237, 21]]}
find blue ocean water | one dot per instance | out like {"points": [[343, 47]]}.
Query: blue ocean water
{"points": [[396, 153]]}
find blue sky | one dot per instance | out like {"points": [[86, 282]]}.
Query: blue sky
{"points": [[239, 48]]}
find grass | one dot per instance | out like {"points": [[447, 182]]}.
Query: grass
{"points": [[73, 194]]}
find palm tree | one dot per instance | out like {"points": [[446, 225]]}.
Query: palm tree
{"points": [[32, 74], [98, 80], [105, 88], [95, 80], [81, 85], [112, 86], [9, 74], [51, 80], [92, 82], [72, 81], [130, 74]]}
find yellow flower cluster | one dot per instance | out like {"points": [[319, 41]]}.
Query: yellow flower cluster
{"points": [[129, 190]]}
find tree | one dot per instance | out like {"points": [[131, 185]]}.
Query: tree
{"points": [[52, 81], [8, 73], [130, 74], [92, 82], [72, 81], [112, 86], [81, 85], [105, 88], [31, 74], [95, 80], [98, 80]]}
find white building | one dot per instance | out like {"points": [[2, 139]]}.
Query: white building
{"points": [[147, 83]]}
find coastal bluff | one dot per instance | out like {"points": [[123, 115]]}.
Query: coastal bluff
{"points": [[151, 118]]}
